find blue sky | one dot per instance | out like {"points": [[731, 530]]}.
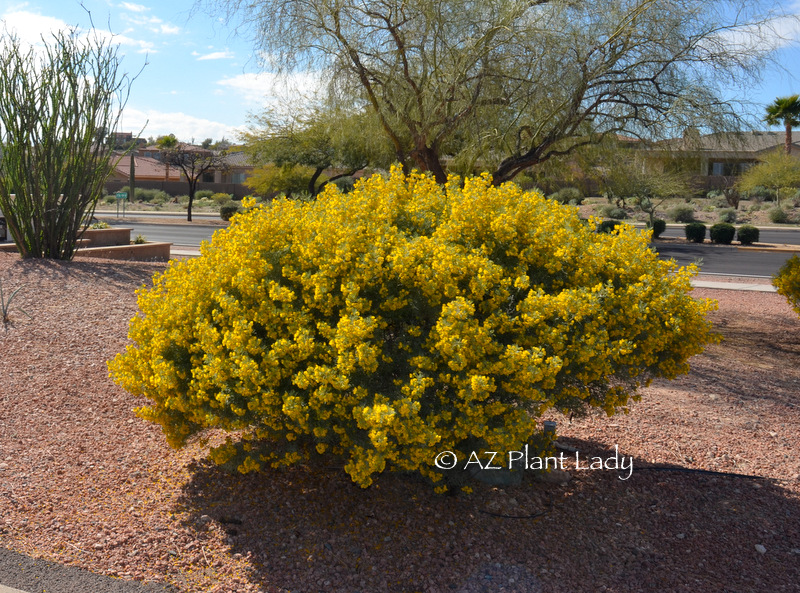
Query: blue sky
{"points": [[202, 81]]}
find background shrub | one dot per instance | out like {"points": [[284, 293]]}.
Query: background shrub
{"points": [[760, 194], [569, 195], [727, 215], [659, 226], [747, 234], [402, 320], [695, 232], [221, 199], [226, 211], [723, 233], [203, 193], [778, 215], [609, 211], [681, 213], [607, 226]]}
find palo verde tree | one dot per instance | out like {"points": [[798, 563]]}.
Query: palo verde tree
{"points": [[785, 111], [515, 82], [57, 104], [320, 138], [777, 170], [193, 161]]}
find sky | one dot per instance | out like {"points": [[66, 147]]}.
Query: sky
{"points": [[197, 79]]}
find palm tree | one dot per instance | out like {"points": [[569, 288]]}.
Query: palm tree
{"points": [[786, 111]]}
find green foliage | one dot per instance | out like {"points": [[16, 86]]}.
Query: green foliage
{"points": [[681, 213], [100, 225], [58, 102], [226, 211], [400, 320], [609, 211], [776, 170], [569, 195], [155, 196], [221, 199], [787, 281], [203, 193], [659, 225], [140, 240], [778, 215], [727, 215], [269, 180], [747, 234], [759, 193], [695, 232], [722, 232], [608, 226], [5, 304]]}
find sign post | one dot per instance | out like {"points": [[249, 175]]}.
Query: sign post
{"points": [[121, 197]]}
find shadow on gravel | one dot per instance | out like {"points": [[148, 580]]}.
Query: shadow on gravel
{"points": [[311, 529]]}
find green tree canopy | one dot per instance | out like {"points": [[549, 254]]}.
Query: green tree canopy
{"points": [[776, 171], [785, 111], [320, 139], [515, 82]]}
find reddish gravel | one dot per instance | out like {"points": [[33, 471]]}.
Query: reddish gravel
{"points": [[86, 483]]}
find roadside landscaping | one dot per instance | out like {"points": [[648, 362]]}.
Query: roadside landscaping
{"points": [[86, 483]]}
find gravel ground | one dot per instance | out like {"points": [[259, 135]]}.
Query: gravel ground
{"points": [[85, 483]]}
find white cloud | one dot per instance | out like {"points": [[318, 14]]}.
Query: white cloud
{"points": [[269, 88], [133, 7], [185, 127], [30, 27], [217, 55]]}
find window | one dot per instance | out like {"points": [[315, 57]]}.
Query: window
{"points": [[208, 177]]}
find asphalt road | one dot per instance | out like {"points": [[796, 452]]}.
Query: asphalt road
{"points": [[39, 576], [714, 259], [780, 236]]}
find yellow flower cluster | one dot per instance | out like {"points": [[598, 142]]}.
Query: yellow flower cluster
{"points": [[787, 281], [403, 319]]}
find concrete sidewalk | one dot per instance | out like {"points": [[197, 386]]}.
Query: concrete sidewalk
{"points": [[697, 283]]}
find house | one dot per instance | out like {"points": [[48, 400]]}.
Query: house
{"points": [[152, 173], [717, 159]]}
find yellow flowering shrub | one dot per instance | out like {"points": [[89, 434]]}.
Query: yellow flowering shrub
{"points": [[787, 281], [404, 319]]}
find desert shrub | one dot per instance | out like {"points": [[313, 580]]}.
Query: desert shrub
{"points": [[681, 213], [760, 194], [787, 281], [145, 195], [203, 193], [695, 232], [659, 226], [401, 320], [110, 199], [727, 215], [607, 226], [754, 207], [747, 234], [777, 215], [714, 193], [221, 199], [610, 211], [568, 195], [140, 240], [345, 184], [226, 211], [100, 225], [182, 200], [722, 232]]}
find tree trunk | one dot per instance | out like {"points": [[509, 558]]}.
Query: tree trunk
{"points": [[428, 160], [788, 144]]}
